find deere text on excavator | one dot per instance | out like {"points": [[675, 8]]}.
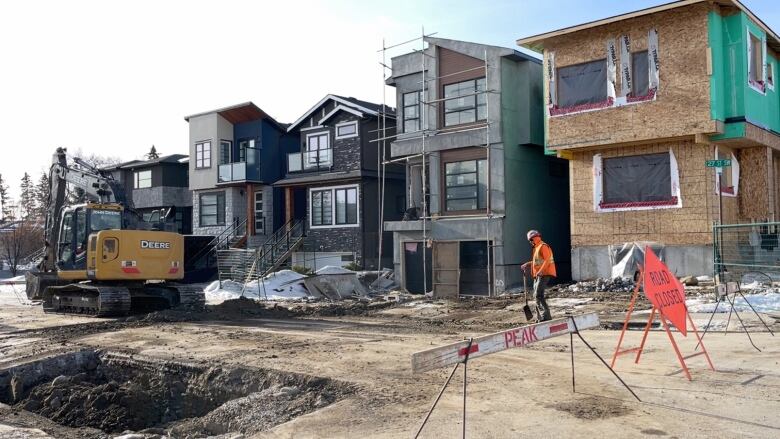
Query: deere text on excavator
{"points": [[100, 257]]}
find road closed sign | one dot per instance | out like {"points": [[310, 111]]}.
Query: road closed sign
{"points": [[664, 291]]}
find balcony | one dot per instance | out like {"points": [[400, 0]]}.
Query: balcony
{"points": [[310, 161], [241, 171]]}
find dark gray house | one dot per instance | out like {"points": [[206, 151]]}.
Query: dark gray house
{"points": [[471, 128], [237, 152], [333, 181], [159, 185]]}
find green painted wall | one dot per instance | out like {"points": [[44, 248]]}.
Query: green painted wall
{"points": [[732, 96], [536, 185]]}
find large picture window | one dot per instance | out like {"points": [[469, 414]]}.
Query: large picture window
{"points": [[465, 102], [756, 62], [582, 84], [143, 179], [637, 179], [212, 209], [335, 206], [203, 155], [465, 184], [412, 113]]}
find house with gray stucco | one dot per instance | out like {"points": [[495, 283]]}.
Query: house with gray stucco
{"points": [[236, 154], [471, 129], [333, 183], [158, 189]]}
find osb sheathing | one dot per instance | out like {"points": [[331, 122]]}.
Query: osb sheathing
{"points": [[682, 106], [689, 225], [754, 187]]}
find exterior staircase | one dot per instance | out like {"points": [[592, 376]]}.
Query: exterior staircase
{"points": [[207, 258], [239, 264]]}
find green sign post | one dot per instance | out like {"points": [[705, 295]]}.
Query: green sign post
{"points": [[718, 163]]}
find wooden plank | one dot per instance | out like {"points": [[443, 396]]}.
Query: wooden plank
{"points": [[444, 356]]}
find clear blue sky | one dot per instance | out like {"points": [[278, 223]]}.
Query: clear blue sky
{"points": [[113, 78]]}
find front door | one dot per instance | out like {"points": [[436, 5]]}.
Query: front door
{"points": [[414, 277], [259, 218], [446, 269]]}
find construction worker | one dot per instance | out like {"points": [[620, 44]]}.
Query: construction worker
{"points": [[542, 270]]}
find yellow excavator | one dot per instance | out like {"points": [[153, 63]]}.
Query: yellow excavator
{"points": [[100, 257]]}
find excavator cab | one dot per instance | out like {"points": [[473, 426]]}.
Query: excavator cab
{"points": [[78, 223]]}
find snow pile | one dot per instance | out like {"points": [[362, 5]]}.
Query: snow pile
{"points": [[13, 280], [615, 285], [282, 285], [767, 301], [332, 269]]}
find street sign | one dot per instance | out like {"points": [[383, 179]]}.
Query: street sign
{"points": [[718, 163], [444, 356]]}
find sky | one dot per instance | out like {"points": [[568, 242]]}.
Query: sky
{"points": [[116, 77]]}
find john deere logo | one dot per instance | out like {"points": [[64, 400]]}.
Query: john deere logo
{"points": [[155, 244]]}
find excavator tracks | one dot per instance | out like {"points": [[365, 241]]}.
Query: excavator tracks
{"points": [[190, 297], [99, 301]]}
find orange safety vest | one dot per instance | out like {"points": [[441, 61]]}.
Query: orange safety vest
{"points": [[541, 253]]}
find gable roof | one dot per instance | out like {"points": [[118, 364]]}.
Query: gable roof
{"points": [[536, 42], [363, 107], [239, 113]]}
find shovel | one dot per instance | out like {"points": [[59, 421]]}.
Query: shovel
{"points": [[526, 309]]}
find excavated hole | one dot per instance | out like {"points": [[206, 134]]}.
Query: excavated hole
{"points": [[118, 393]]}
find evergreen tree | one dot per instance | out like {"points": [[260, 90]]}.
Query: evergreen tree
{"points": [[42, 196], [152, 154], [4, 199], [27, 196]]}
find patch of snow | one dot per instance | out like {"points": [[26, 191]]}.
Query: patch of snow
{"points": [[282, 285], [767, 301], [704, 278], [332, 269], [13, 280], [568, 302]]}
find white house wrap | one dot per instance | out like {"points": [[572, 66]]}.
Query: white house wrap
{"points": [[551, 89], [652, 53], [625, 65], [611, 67]]}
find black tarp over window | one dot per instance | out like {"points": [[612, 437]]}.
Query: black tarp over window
{"points": [[584, 83], [636, 179], [640, 74]]}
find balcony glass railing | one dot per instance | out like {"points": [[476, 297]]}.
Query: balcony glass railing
{"points": [[309, 161], [248, 170]]}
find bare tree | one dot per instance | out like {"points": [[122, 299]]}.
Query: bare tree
{"points": [[19, 240]]}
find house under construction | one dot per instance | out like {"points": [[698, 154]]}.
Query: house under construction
{"points": [[471, 134]]}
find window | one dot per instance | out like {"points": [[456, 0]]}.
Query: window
{"points": [[346, 130], [212, 209], [413, 108], [637, 179], [770, 75], [465, 184], [225, 152], [242, 147], [336, 206], [465, 102], [729, 175], [346, 206], [756, 62], [203, 155], [582, 84], [321, 208], [317, 150], [143, 179], [640, 74], [259, 219]]}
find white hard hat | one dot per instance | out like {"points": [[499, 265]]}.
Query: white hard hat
{"points": [[532, 233]]}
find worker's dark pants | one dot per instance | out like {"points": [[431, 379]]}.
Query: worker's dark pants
{"points": [[542, 310]]}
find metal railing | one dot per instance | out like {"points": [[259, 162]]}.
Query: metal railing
{"points": [[741, 249], [310, 161], [252, 264], [219, 242]]}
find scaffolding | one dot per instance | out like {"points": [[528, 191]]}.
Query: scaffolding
{"points": [[425, 132]]}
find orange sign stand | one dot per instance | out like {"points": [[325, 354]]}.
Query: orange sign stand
{"points": [[668, 298]]}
